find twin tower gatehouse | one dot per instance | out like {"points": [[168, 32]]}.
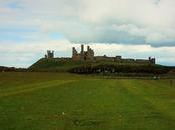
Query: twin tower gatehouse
{"points": [[83, 55]]}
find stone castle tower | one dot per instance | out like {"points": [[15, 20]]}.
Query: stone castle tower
{"points": [[50, 54]]}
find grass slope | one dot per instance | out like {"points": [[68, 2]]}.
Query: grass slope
{"points": [[55, 101], [54, 65], [57, 65]]}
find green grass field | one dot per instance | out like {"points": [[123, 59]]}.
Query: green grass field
{"points": [[57, 101]]}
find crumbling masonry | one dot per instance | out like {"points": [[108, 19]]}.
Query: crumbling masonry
{"points": [[89, 56], [50, 54], [83, 55]]}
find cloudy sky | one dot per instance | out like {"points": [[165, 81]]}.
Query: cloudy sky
{"points": [[131, 28]]}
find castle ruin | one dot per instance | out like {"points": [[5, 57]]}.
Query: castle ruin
{"points": [[88, 55], [50, 54]]}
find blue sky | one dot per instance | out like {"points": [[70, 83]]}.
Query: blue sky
{"points": [[142, 27]]}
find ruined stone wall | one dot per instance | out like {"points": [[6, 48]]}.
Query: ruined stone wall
{"points": [[104, 58], [89, 56]]}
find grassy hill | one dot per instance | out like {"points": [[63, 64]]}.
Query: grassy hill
{"points": [[53, 65], [82, 67], [63, 101]]}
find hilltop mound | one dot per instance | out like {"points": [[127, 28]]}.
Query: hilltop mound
{"points": [[85, 67], [85, 62]]}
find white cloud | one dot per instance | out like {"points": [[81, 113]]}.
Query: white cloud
{"points": [[151, 35], [138, 21]]}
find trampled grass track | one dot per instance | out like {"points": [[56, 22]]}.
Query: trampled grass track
{"points": [[33, 87]]}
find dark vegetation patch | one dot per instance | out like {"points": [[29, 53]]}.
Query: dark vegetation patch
{"points": [[121, 69], [11, 69]]}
